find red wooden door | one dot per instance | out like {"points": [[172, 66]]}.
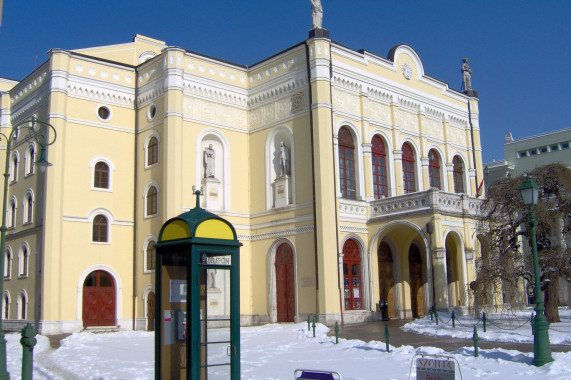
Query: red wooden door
{"points": [[99, 300], [151, 311], [352, 276], [285, 298]]}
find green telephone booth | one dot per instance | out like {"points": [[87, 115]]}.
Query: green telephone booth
{"points": [[197, 323]]}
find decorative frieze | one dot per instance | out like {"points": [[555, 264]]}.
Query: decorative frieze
{"points": [[346, 102], [215, 113], [276, 234]]}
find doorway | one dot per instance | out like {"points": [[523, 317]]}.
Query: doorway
{"points": [[99, 300], [415, 275], [285, 285]]}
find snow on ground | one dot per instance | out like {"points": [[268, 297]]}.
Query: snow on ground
{"points": [[275, 351], [515, 329]]}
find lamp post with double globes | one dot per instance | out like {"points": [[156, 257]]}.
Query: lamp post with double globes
{"points": [[541, 348], [44, 134]]}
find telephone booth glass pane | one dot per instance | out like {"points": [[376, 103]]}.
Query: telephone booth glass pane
{"points": [[215, 338], [174, 329]]}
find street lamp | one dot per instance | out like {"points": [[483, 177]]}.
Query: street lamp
{"points": [[541, 348], [27, 130]]}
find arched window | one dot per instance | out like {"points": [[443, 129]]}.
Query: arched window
{"points": [[30, 159], [14, 168], [379, 155], [101, 175], [12, 213], [28, 207], [458, 174], [22, 305], [23, 257], [152, 201], [100, 229], [7, 263], [347, 164], [408, 169], [152, 151], [434, 169], [150, 256], [6, 305], [352, 276]]}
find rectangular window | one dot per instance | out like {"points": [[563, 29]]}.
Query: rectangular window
{"points": [[544, 149], [565, 146], [533, 152], [522, 154], [554, 147]]}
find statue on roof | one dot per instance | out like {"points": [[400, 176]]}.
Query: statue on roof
{"points": [[316, 13], [466, 74]]}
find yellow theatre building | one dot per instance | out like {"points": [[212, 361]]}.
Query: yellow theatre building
{"points": [[350, 179]]}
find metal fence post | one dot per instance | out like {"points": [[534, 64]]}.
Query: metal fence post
{"points": [[476, 339], [387, 337], [484, 320], [336, 332]]}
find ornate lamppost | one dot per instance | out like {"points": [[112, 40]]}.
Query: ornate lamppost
{"points": [[541, 348], [45, 135]]}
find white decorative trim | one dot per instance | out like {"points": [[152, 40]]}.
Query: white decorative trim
{"points": [[353, 229]]}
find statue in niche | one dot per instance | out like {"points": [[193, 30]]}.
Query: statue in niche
{"points": [[466, 74], [283, 155], [209, 156], [316, 13]]}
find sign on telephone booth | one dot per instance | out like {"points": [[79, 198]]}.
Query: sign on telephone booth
{"points": [[197, 324]]}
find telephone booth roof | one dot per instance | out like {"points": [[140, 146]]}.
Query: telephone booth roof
{"points": [[196, 225]]}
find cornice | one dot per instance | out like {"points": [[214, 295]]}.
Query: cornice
{"points": [[100, 91]]}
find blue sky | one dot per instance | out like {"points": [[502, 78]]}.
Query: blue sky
{"points": [[519, 50]]}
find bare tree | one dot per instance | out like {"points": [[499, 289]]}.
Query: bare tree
{"points": [[503, 228]]}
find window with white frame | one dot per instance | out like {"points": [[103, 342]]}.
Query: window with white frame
{"points": [[14, 161], [101, 175], [23, 261], [11, 213], [7, 263], [151, 199], [152, 150], [150, 256], [22, 304], [28, 207], [100, 232], [458, 175], [6, 305], [30, 159], [347, 177], [408, 169]]}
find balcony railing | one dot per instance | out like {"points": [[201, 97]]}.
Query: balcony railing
{"points": [[432, 200]]}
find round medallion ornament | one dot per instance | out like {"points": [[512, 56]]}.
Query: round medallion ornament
{"points": [[407, 70]]}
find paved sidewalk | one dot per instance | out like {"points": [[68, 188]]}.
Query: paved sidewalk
{"points": [[368, 331]]}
